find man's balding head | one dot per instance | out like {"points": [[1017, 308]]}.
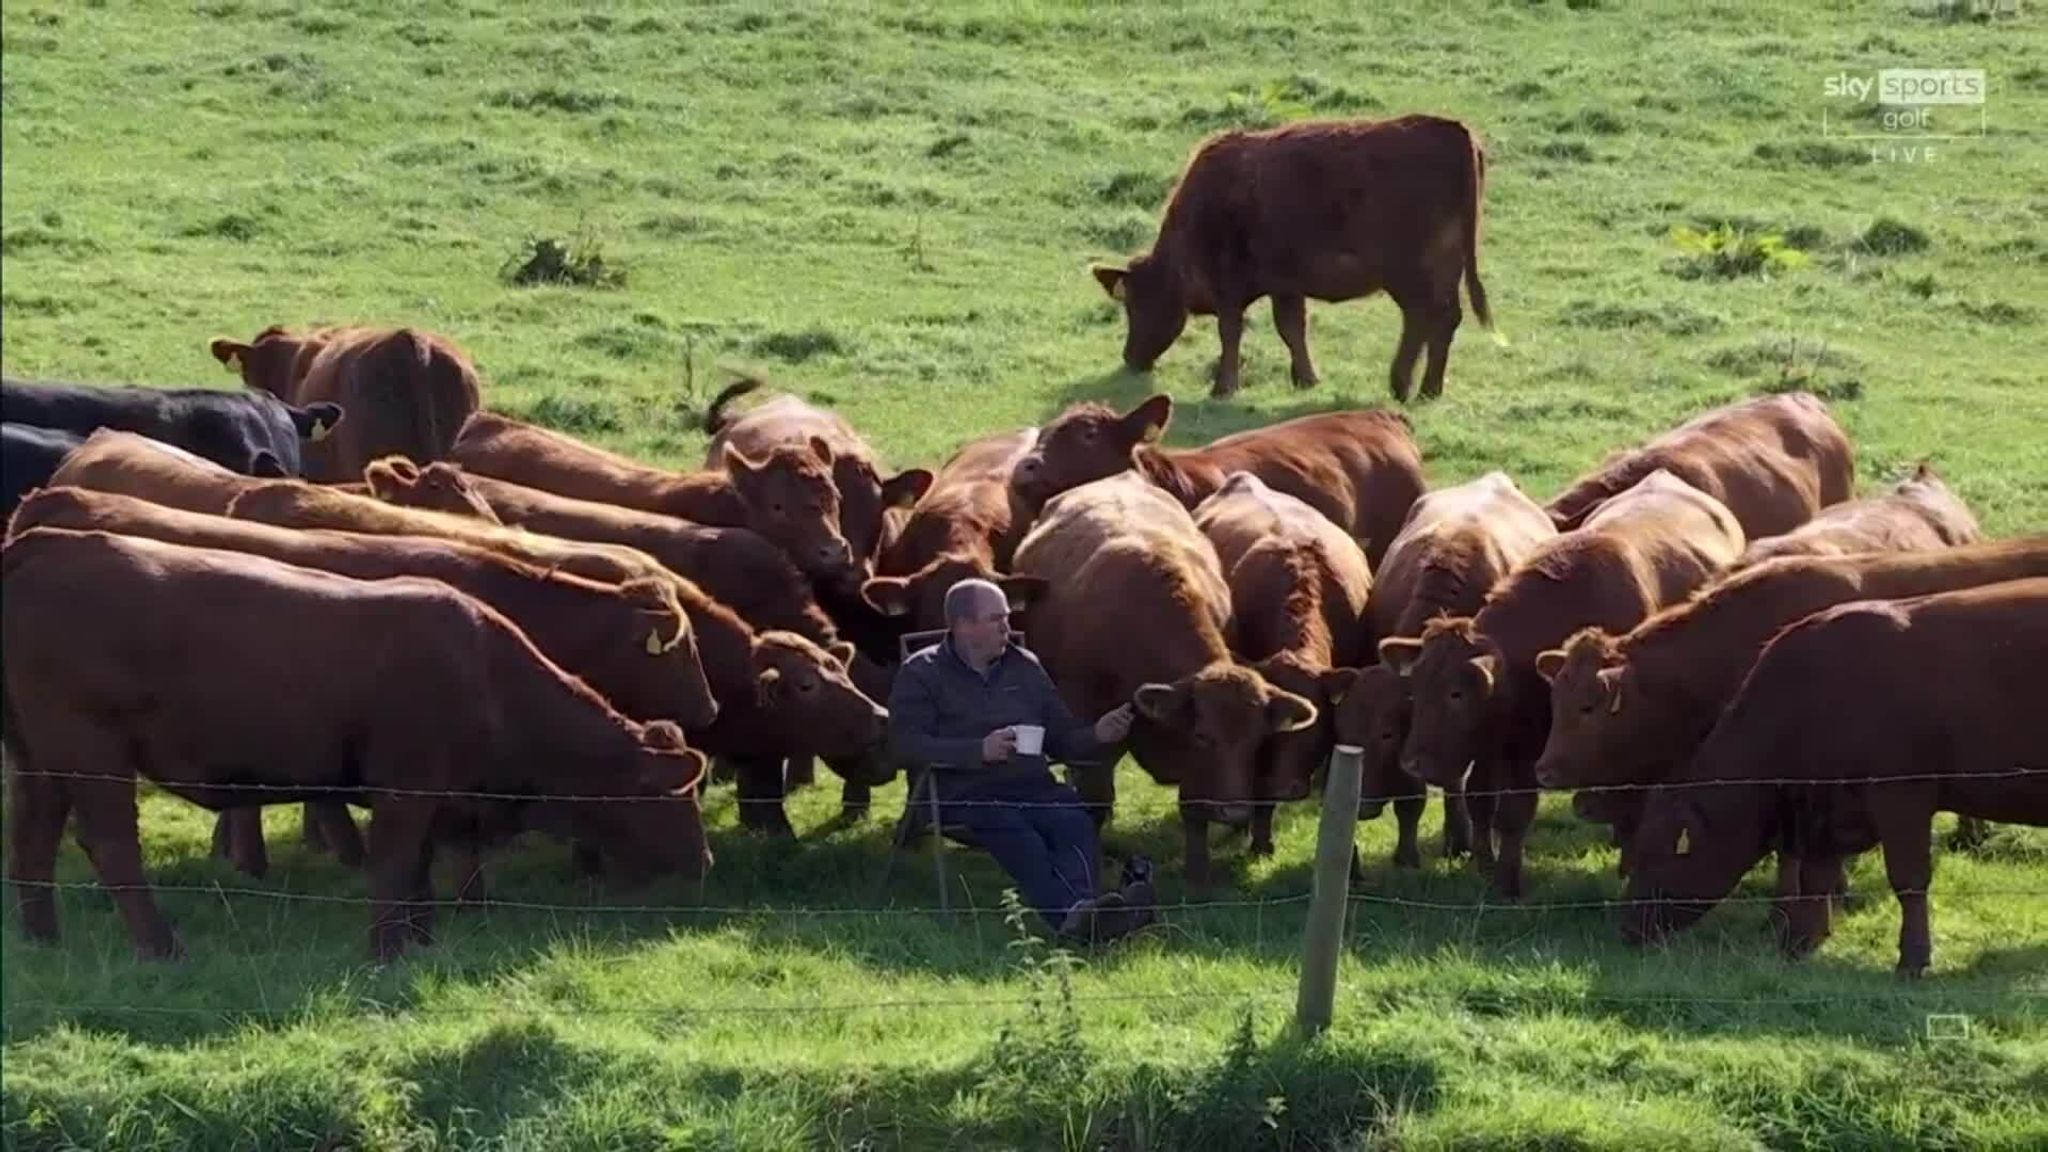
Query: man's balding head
{"points": [[978, 617], [968, 599]]}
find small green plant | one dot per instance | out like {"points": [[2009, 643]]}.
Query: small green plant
{"points": [[551, 260], [1042, 1055], [1725, 252]]}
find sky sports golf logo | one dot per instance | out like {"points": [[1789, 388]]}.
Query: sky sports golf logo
{"points": [[1903, 113]]}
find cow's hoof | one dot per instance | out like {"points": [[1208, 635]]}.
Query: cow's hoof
{"points": [[1306, 379], [1407, 857], [1907, 970]]}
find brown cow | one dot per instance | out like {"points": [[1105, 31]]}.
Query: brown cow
{"points": [[1854, 728], [1135, 610], [788, 495], [789, 422], [1628, 711], [846, 732], [1325, 210], [209, 672], [135, 465], [630, 642], [1457, 543], [1775, 462], [1919, 513], [1298, 588], [405, 391], [1361, 469], [1480, 707], [966, 526]]}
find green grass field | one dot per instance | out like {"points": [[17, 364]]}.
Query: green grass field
{"points": [[891, 211]]}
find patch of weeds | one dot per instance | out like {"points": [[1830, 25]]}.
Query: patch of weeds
{"points": [[1138, 189], [554, 98], [319, 24], [430, 153], [1960, 11], [647, 26], [1996, 312], [799, 346], [1568, 151], [2021, 248], [627, 342], [1675, 319], [1813, 153], [1126, 232], [1790, 364], [948, 144], [1041, 1060], [1889, 237], [28, 238], [237, 226], [1922, 286], [550, 260], [573, 414], [673, 224], [2033, 77], [1593, 122], [1728, 253], [1525, 90], [32, 304]]}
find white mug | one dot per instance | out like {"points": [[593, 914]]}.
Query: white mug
{"points": [[1030, 739]]}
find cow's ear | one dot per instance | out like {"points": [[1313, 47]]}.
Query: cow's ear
{"points": [[1337, 683], [1286, 712], [1023, 591], [906, 487], [1610, 682], [1549, 664], [1111, 277], [1147, 422], [889, 595], [822, 450], [315, 422], [843, 652], [228, 352], [768, 685], [1399, 652], [1161, 703], [391, 477], [266, 465], [1488, 668]]}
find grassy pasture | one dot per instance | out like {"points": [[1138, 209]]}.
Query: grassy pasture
{"points": [[890, 209]]}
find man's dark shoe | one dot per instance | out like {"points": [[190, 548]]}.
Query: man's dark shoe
{"points": [[1079, 923]]}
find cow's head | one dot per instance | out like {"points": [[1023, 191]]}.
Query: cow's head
{"points": [[920, 598], [440, 486], [661, 648], [866, 500], [1456, 677], [662, 833], [273, 362], [1206, 731], [1602, 725], [808, 696], [1086, 443], [1370, 712], [1289, 758], [792, 500], [1694, 844], [1155, 307]]}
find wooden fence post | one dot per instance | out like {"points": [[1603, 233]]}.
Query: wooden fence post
{"points": [[1323, 942]]}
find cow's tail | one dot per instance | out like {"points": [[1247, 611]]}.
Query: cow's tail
{"points": [[1475, 195], [715, 418]]}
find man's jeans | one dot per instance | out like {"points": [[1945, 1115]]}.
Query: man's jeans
{"points": [[1036, 829]]}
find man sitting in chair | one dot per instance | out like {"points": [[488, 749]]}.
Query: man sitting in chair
{"points": [[959, 710]]}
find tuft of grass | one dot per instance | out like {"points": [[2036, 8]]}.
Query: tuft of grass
{"points": [[1725, 252], [1889, 237], [551, 260]]}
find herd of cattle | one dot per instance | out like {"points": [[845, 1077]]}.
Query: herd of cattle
{"points": [[348, 583]]}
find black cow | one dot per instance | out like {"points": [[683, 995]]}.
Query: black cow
{"points": [[253, 433], [31, 455]]}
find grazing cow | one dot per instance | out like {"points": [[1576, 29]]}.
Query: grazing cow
{"points": [[1135, 608], [1919, 513], [1480, 707], [631, 642], [253, 433], [787, 495], [1324, 210], [135, 465], [1854, 728], [1361, 469], [32, 454], [129, 658], [1775, 462], [865, 498], [1629, 710], [1456, 545], [1298, 588], [966, 526], [847, 731], [406, 391]]}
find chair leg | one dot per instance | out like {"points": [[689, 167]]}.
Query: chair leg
{"points": [[938, 838]]}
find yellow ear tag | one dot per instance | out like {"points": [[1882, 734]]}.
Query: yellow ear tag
{"points": [[1684, 842], [319, 431], [654, 645]]}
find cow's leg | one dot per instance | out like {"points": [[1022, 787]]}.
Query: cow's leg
{"points": [[856, 797], [238, 838], [310, 832], [1457, 826], [1407, 815], [1290, 319], [1414, 330], [1097, 785], [1480, 804], [1808, 922], [798, 773], [1628, 815], [1262, 828], [1906, 832], [37, 806], [760, 797], [108, 831], [1230, 330], [1513, 812], [472, 888], [399, 851], [1443, 324], [1194, 824], [338, 829]]}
